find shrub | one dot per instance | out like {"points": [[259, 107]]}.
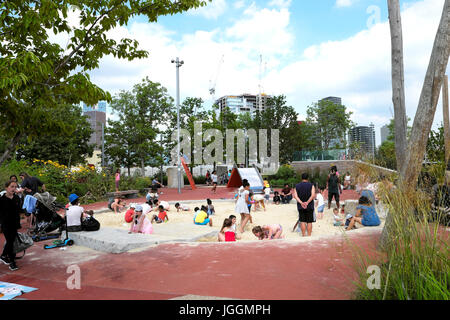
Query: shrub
{"points": [[285, 172]]}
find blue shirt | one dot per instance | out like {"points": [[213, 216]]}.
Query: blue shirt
{"points": [[369, 216]]}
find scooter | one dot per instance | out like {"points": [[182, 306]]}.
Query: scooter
{"points": [[61, 243]]}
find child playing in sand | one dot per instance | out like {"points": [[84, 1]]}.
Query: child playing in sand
{"points": [[157, 203], [269, 232], [276, 197], [210, 207], [242, 205], [267, 194], [202, 218], [259, 201], [130, 213], [338, 221], [161, 217], [233, 219], [141, 223], [151, 196], [369, 215], [320, 203], [181, 207], [226, 233]]}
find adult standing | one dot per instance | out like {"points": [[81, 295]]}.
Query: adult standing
{"points": [[117, 179], [242, 205], [30, 185], [305, 194], [286, 194], [333, 186], [10, 209]]}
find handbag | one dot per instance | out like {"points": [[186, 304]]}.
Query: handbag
{"points": [[22, 243]]}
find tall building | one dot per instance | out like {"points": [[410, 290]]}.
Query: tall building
{"points": [[97, 119], [243, 103], [384, 131], [337, 142], [364, 135], [335, 100]]}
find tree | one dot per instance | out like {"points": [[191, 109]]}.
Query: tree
{"points": [[330, 121], [131, 141], [37, 76], [68, 148]]}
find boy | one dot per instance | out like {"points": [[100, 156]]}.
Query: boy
{"points": [[337, 219], [161, 217], [320, 203], [181, 207], [276, 197]]}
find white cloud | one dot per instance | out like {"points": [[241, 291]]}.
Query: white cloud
{"points": [[280, 3], [212, 10], [344, 3]]}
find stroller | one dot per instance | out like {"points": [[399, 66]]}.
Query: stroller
{"points": [[45, 218]]}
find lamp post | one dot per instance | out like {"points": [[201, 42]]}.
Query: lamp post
{"points": [[178, 64]]}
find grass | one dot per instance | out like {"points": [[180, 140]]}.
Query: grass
{"points": [[416, 256]]}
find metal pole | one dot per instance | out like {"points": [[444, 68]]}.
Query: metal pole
{"points": [[178, 64], [103, 145]]}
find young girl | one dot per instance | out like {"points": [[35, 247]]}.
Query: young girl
{"points": [[214, 181], [117, 179], [320, 203], [270, 232], [267, 194], [242, 205], [226, 233], [161, 217], [202, 218], [210, 207], [141, 223], [116, 205]]}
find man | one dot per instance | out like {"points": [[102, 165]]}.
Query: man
{"points": [[156, 184], [333, 186], [30, 185], [305, 193]]}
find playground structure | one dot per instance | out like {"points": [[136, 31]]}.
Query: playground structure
{"points": [[251, 174]]}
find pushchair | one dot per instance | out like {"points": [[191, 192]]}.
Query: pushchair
{"points": [[46, 222]]}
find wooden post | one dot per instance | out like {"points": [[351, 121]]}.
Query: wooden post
{"points": [[445, 105]]}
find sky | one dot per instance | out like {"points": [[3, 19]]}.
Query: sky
{"points": [[303, 49]]}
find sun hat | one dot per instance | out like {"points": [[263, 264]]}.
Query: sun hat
{"points": [[133, 205], [73, 197], [138, 208]]}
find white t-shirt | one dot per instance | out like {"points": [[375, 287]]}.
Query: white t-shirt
{"points": [[319, 198], [74, 214], [214, 177], [146, 208], [336, 218], [267, 191]]}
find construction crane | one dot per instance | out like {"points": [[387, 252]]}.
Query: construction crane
{"points": [[213, 81], [260, 79]]}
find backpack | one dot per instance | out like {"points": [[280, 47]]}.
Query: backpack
{"points": [[90, 224]]}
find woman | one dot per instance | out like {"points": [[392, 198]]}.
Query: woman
{"points": [[242, 205], [10, 209], [140, 223]]}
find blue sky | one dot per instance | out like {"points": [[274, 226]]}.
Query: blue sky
{"points": [[310, 50]]}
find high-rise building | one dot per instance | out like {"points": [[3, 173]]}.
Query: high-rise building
{"points": [[364, 135], [335, 100], [338, 141], [243, 103], [384, 131], [97, 119]]}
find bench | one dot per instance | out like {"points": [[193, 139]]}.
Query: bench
{"points": [[129, 194]]}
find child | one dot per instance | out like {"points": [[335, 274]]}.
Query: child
{"points": [[116, 204], [152, 196], [276, 197], [211, 210], [232, 217], [343, 209], [202, 218], [181, 207], [226, 233], [320, 203], [89, 223], [141, 223], [157, 203], [267, 194], [214, 181], [259, 201], [337, 219], [161, 217], [242, 205], [130, 213], [270, 232]]}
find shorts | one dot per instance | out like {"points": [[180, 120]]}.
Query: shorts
{"points": [[321, 208], [369, 223], [337, 223], [203, 223], [267, 197], [336, 196], [306, 215]]}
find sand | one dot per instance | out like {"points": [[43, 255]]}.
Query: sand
{"points": [[284, 214]]}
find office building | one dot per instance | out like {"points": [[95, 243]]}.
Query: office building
{"points": [[384, 131], [365, 136], [336, 143], [335, 100], [243, 103], [97, 119]]}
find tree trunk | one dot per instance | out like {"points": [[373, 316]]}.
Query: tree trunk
{"points": [[428, 102], [143, 167], [446, 121], [10, 147], [398, 81]]}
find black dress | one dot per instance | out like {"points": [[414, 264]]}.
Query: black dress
{"points": [[10, 210]]}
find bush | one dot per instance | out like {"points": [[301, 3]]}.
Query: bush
{"points": [[285, 172]]}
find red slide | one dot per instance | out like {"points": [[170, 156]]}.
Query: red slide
{"points": [[188, 173]]}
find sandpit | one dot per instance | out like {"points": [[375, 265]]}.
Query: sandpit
{"points": [[284, 214]]}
